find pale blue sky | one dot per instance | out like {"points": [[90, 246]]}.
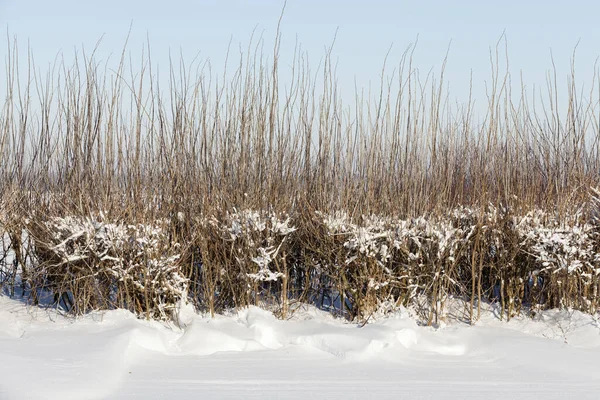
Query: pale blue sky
{"points": [[366, 30]]}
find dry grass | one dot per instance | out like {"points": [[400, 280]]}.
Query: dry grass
{"points": [[454, 197]]}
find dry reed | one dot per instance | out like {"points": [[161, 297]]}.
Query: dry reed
{"points": [[117, 192]]}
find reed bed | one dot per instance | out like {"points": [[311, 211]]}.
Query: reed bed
{"points": [[243, 189]]}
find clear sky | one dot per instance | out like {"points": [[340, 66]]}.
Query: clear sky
{"points": [[365, 32]]}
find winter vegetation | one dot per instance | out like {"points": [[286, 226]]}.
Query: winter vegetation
{"points": [[237, 190]]}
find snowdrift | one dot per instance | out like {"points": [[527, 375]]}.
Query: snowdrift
{"points": [[253, 354]]}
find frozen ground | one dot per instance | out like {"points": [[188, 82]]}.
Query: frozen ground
{"points": [[253, 355]]}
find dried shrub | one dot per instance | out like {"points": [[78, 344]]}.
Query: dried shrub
{"points": [[94, 264], [241, 259]]}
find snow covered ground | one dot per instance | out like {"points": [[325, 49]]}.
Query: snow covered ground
{"points": [[253, 355]]}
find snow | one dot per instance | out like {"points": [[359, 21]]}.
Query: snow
{"points": [[251, 354]]}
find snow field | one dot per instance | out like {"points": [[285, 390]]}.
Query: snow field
{"points": [[253, 354]]}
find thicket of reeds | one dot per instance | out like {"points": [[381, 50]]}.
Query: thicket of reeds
{"points": [[240, 188]]}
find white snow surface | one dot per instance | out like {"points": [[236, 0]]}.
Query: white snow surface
{"points": [[252, 355]]}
